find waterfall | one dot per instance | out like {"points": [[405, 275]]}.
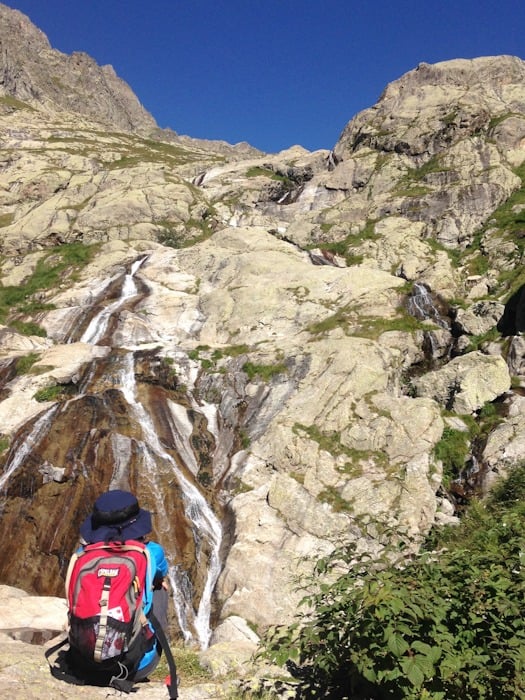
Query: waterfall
{"points": [[421, 305], [99, 323], [24, 445], [137, 447], [206, 527]]}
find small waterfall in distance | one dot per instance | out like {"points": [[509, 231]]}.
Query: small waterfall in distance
{"points": [[422, 306]]}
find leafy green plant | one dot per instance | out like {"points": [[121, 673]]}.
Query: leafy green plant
{"points": [[452, 449], [445, 624]]}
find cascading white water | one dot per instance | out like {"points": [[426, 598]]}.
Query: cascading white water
{"points": [[99, 323], [20, 450], [421, 305], [206, 527]]}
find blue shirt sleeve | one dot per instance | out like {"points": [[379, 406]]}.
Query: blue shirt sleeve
{"points": [[158, 559]]}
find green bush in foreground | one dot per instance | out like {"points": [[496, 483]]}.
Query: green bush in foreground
{"points": [[445, 624]]}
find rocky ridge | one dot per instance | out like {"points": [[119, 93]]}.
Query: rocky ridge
{"points": [[317, 319]]}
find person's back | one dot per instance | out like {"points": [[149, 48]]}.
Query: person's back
{"points": [[115, 588]]}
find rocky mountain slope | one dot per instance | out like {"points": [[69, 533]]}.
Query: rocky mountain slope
{"points": [[268, 348]]}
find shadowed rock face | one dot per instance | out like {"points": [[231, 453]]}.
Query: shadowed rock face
{"points": [[513, 320], [91, 443]]}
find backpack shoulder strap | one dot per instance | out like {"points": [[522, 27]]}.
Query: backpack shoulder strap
{"points": [[163, 641], [70, 567]]}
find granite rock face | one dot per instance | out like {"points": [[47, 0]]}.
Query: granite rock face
{"points": [[266, 347]]}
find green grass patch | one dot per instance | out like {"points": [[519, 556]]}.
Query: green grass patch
{"points": [[244, 439], [477, 341], [339, 319], [331, 442], [50, 393], [209, 358], [183, 235], [334, 499], [57, 265], [13, 103], [257, 171], [189, 670], [6, 220], [28, 328], [412, 191], [347, 247], [498, 119], [136, 151], [412, 184], [26, 362], [372, 327], [264, 372], [433, 165]]}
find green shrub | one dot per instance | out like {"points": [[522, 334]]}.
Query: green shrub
{"points": [[50, 393], [446, 624], [452, 449]]}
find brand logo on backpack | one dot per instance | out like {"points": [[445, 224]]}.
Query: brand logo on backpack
{"points": [[110, 573]]}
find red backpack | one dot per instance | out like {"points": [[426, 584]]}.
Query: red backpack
{"points": [[105, 588]]}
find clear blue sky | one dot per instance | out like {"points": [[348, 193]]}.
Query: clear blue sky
{"points": [[272, 72]]}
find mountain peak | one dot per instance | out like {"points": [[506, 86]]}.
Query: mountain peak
{"points": [[32, 71]]}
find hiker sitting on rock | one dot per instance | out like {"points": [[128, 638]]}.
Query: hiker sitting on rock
{"points": [[115, 581]]}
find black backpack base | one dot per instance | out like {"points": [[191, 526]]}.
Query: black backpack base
{"points": [[114, 674], [70, 666]]}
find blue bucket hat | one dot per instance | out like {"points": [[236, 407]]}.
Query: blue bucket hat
{"points": [[116, 516]]}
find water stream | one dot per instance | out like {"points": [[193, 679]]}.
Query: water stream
{"points": [[206, 527], [157, 466], [422, 305], [25, 444], [99, 324]]}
